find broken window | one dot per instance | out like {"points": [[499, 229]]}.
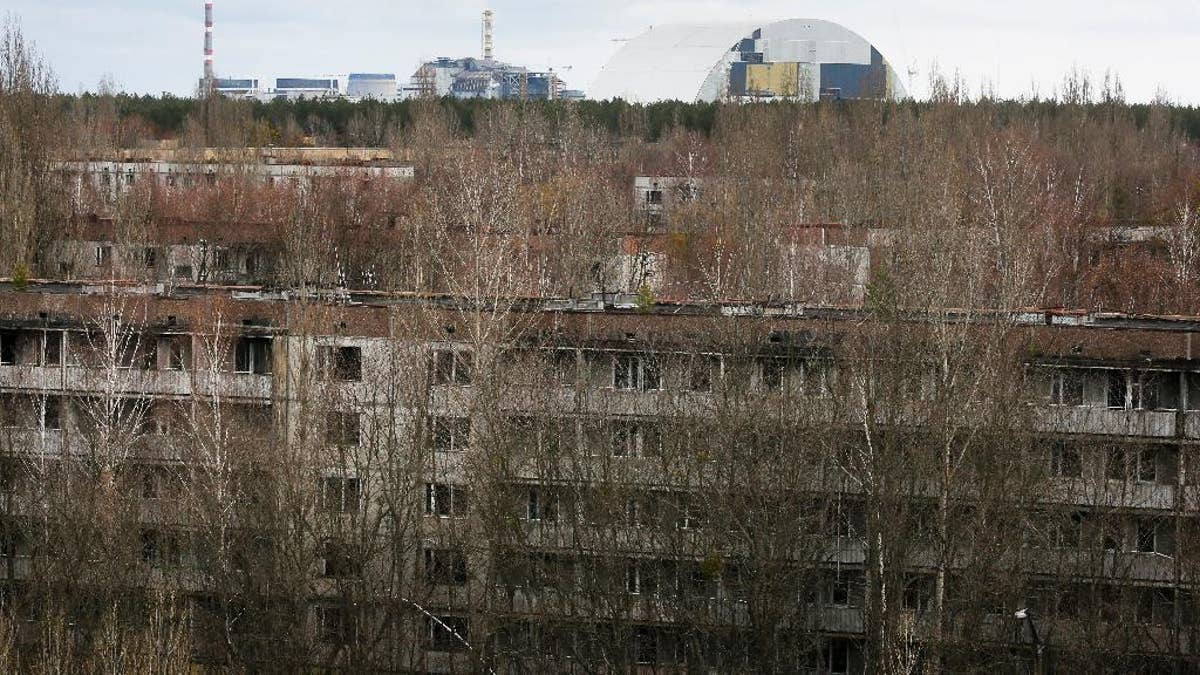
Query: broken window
{"points": [[252, 355], [149, 257], [336, 624], [631, 371], [842, 588], [1066, 387], [445, 567], [450, 434], [918, 593], [452, 367], [1154, 535], [773, 373], [689, 513], [702, 372], [339, 560], [1155, 391], [1155, 605], [1066, 530], [52, 351], [635, 439], [542, 505], [645, 645], [343, 429], [1118, 385], [445, 501], [8, 347], [51, 412], [159, 548], [103, 255], [448, 633], [565, 367], [135, 351], [1147, 465], [339, 494], [1065, 460], [341, 364], [654, 197], [178, 349]]}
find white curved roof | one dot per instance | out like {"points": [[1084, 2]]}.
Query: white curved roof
{"points": [[667, 63], [689, 62]]}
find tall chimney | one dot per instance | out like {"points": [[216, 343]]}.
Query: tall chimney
{"points": [[487, 35], [209, 76]]}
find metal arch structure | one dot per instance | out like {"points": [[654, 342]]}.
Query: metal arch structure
{"points": [[671, 62], [692, 61]]}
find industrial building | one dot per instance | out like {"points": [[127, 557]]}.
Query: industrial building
{"points": [[307, 87], [485, 77], [795, 59], [477, 78], [246, 87], [373, 86]]}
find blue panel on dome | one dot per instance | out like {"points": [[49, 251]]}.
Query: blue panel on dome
{"points": [[853, 80], [737, 79]]}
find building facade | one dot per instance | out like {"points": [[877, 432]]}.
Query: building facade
{"points": [[615, 485]]}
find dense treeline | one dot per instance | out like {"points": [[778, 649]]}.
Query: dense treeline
{"points": [[332, 121]]}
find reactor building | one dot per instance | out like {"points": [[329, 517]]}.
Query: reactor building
{"points": [[794, 59], [486, 77]]}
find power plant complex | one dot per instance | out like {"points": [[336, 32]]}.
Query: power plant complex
{"points": [[794, 59]]}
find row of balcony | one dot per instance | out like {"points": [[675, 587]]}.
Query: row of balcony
{"points": [[166, 383]]}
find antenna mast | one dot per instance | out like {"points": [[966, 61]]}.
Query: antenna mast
{"points": [[209, 76], [487, 34]]}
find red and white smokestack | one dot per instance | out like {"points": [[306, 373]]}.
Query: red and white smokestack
{"points": [[208, 42]]}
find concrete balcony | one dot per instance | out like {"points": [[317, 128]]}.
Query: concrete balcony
{"points": [[1191, 424], [33, 441], [127, 381], [1106, 421], [15, 568], [235, 385], [33, 378], [133, 381]]}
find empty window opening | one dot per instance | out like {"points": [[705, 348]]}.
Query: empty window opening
{"points": [[450, 434], [343, 429], [341, 364], [1065, 460], [340, 494], [452, 367], [252, 355], [445, 567], [631, 371], [445, 501], [448, 633]]}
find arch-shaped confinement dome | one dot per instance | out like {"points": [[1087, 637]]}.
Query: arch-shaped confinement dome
{"points": [[793, 59]]}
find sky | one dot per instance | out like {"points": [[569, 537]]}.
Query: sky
{"points": [[1013, 48]]}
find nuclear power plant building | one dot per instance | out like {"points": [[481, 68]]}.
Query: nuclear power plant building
{"points": [[802, 59]]}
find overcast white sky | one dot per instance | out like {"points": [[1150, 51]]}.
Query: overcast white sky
{"points": [[1014, 46]]}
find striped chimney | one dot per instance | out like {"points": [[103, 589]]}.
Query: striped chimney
{"points": [[208, 43]]}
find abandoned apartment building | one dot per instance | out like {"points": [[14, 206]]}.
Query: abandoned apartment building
{"points": [[585, 537]]}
